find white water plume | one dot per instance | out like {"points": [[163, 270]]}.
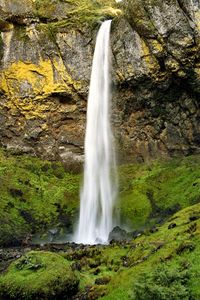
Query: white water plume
{"points": [[99, 186]]}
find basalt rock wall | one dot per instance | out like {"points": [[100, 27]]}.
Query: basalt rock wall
{"points": [[45, 69]]}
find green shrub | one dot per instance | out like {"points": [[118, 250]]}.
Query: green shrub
{"points": [[163, 284]]}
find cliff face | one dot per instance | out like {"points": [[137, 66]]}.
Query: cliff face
{"points": [[46, 54], [161, 84]]}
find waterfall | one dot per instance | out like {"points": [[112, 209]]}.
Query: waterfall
{"points": [[99, 188]]}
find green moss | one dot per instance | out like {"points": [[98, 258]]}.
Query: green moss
{"points": [[175, 252], [172, 250], [138, 15], [151, 192], [163, 283], [45, 8], [78, 13], [34, 194], [38, 275], [21, 34]]}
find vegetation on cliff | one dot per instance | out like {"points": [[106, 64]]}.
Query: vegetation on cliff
{"points": [[78, 13], [38, 195], [35, 195], [150, 192]]}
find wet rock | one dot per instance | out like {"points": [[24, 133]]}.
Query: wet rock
{"points": [[194, 218], [125, 261], [192, 228], [102, 280], [153, 229], [27, 216], [76, 266], [7, 255], [118, 234], [96, 271], [172, 225], [137, 233], [16, 192], [185, 246]]}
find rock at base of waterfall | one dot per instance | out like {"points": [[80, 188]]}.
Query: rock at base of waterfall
{"points": [[119, 234]]}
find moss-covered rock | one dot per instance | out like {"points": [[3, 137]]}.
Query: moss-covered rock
{"points": [[46, 86], [40, 197], [77, 13], [115, 271], [152, 192], [39, 275], [35, 195]]}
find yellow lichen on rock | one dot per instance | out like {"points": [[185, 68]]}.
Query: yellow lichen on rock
{"points": [[157, 46], [172, 64], [149, 59], [27, 85], [36, 80], [114, 12], [28, 108]]}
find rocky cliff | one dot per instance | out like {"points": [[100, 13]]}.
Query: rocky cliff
{"points": [[46, 50]]}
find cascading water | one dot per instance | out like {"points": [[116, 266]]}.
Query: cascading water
{"points": [[99, 188]]}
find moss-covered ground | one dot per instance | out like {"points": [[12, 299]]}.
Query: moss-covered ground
{"points": [[156, 266], [161, 198], [175, 247]]}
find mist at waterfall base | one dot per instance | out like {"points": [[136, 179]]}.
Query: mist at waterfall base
{"points": [[99, 184]]}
